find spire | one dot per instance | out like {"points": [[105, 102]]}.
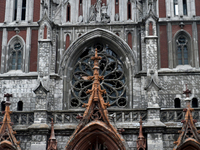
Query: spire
{"points": [[7, 137], [96, 113], [141, 142], [189, 132], [52, 143]]}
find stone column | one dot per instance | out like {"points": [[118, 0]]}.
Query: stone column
{"points": [[39, 127]]}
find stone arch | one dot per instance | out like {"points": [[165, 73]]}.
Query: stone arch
{"points": [[88, 135], [190, 47], [189, 145], [127, 56], [7, 145], [153, 22]]}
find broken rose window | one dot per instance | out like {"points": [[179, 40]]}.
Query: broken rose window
{"points": [[110, 67]]}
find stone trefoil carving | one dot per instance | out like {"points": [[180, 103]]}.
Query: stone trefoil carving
{"points": [[110, 67]]}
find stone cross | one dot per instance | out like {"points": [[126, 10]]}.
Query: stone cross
{"points": [[187, 92]]}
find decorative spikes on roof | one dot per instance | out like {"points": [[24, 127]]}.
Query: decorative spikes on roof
{"points": [[96, 113], [188, 133], [141, 142], [52, 143], [7, 137]]}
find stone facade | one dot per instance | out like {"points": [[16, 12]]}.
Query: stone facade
{"points": [[56, 35]]}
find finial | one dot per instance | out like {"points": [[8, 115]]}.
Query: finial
{"points": [[187, 92], [52, 130], [7, 95]]}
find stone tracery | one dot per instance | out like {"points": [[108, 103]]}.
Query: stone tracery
{"points": [[112, 70]]}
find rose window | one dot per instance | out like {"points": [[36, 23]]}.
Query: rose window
{"points": [[110, 67]]}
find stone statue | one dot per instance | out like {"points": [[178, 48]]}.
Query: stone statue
{"points": [[99, 13], [93, 13]]}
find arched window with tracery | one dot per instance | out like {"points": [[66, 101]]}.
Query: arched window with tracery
{"points": [[111, 68], [182, 50], [16, 52]]}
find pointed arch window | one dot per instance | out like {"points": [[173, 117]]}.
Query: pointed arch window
{"points": [[194, 102], [177, 103], [3, 106], [182, 50], [184, 7], [175, 7], [129, 10], [20, 106], [68, 12], [80, 7], [16, 56]]}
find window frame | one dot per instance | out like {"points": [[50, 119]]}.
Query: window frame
{"points": [[15, 39], [190, 48]]}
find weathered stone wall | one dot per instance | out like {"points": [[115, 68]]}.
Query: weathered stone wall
{"points": [[22, 90]]}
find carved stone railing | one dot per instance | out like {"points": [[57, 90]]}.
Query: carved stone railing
{"points": [[21, 118], [176, 114], [114, 115]]}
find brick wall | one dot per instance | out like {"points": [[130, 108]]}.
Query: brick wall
{"points": [[162, 9], [130, 40], [197, 3], [2, 10], [93, 2], [67, 43], [163, 46], [22, 33], [36, 10], [34, 50], [187, 27]]}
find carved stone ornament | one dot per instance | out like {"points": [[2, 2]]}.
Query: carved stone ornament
{"points": [[40, 90], [95, 130], [7, 137], [99, 13]]}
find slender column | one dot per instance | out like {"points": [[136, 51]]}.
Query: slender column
{"points": [[19, 10]]}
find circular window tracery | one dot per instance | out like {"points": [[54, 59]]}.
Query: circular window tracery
{"points": [[110, 67]]}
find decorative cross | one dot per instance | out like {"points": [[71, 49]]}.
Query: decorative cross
{"points": [[187, 92], [7, 96]]}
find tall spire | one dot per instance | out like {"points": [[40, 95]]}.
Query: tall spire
{"points": [[7, 137], [188, 133], [141, 142], [95, 117], [52, 143]]}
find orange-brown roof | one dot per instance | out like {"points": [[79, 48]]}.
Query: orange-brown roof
{"points": [[52, 143], [7, 137], [95, 117], [189, 132]]}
